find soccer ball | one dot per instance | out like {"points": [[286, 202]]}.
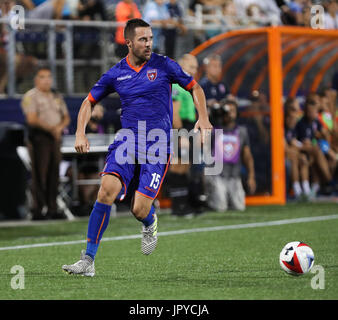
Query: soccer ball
{"points": [[296, 258]]}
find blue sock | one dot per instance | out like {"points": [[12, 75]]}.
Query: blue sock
{"points": [[150, 218], [98, 222]]}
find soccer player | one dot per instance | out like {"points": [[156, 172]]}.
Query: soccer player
{"points": [[143, 81]]}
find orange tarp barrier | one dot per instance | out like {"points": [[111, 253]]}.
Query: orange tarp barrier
{"points": [[280, 42]]}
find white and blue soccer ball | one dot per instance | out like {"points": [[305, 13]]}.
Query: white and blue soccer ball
{"points": [[296, 258]]}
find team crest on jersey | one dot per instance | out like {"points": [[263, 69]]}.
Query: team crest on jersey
{"points": [[152, 74]]}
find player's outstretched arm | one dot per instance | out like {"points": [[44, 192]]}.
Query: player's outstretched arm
{"points": [[81, 141], [203, 122]]}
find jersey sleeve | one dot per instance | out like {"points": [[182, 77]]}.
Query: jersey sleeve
{"points": [[102, 88], [177, 75]]}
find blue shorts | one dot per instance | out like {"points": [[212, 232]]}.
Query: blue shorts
{"points": [[143, 177]]}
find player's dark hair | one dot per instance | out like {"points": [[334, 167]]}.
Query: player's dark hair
{"points": [[132, 24]]}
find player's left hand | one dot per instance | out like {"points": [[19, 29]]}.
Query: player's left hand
{"points": [[204, 126]]}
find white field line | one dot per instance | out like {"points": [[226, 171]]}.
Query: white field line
{"points": [[183, 231]]}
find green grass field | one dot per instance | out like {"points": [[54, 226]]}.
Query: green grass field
{"points": [[240, 262]]}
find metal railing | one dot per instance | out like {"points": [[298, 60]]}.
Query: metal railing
{"points": [[52, 29]]}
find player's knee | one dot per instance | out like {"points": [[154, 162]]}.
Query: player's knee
{"points": [[109, 189], [106, 195]]}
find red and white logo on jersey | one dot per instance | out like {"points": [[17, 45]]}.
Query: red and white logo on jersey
{"points": [[152, 74]]}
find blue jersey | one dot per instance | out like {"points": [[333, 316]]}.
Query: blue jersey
{"points": [[145, 95], [145, 92]]}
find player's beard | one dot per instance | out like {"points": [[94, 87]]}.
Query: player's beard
{"points": [[142, 55]]}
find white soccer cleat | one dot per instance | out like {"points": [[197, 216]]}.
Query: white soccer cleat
{"points": [[149, 238], [85, 266]]}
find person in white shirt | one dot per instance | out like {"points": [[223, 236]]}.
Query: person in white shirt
{"points": [[331, 15]]}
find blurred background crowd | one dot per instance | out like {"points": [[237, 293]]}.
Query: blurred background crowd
{"points": [[311, 140], [178, 27], [233, 13]]}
